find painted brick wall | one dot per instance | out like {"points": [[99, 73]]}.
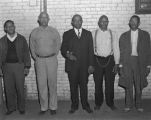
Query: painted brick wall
{"points": [[25, 12]]}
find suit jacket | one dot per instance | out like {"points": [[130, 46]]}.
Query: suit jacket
{"points": [[144, 55], [22, 50], [82, 48]]}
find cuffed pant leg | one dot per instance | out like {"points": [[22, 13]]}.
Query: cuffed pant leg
{"points": [[20, 80], [98, 80], [9, 87], [40, 66], [1, 92], [129, 98], [52, 65]]}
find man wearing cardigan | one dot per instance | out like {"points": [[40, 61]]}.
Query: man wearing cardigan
{"points": [[14, 65]]}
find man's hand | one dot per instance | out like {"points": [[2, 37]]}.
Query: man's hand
{"points": [[147, 71], [116, 69], [90, 69], [26, 71], [120, 71], [70, 56]]}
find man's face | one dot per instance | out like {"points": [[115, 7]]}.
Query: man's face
{"points": [[103, 23], [10, 28], [134, 23], [77, 22], [43, 20]]}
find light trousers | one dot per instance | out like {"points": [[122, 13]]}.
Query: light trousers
{"points": [[46, 70]]}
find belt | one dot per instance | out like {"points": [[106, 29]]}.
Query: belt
{"points": [[53, 54], [102, 57], [12, 61]]}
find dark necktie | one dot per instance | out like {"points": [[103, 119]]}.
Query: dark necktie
{"points": [[78, 34]]}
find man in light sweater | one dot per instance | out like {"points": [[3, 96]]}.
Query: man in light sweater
{"points": [[45, 45]]}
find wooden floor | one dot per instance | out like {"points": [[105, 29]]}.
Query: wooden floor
{"points": [[105, 113]]}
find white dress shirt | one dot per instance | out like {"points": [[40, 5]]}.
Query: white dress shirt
{"points": [[77, 31], [106, 45], [134, 39]]}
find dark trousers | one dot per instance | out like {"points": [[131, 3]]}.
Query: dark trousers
{"points": [[1, 92], [133, 72], [14, 86], [78, 79], [104, 69]]}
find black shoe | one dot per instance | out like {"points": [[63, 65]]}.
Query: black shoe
{"points": [[52, 112], [22, 112], [42, 112], [88, 110], [97, 107], [9, 112], [72, 111], [113, 107]]}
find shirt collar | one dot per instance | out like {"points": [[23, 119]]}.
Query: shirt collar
{"points": [[41, 28], [103, 31], [11, 38], [136, 31], [76, 30]]}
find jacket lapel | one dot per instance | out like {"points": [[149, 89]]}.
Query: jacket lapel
{"points": [[81, 33], [73, 38], [5, 45], [74, 34], [138, 40], [129, 42]]}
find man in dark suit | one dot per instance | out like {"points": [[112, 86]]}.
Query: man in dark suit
{"points": [[1, 96], [135, 61], [77, 49]]}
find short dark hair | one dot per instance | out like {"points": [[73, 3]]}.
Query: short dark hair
{"points": [[135, 16], [74, 17], [103, 16], [7, 21]]}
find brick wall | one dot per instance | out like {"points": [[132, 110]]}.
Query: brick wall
{"points": [[25, 12]]}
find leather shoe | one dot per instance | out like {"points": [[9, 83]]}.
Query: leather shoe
{"points": [[9, 112], [96, 107], [140, 109], [88, 110], [72, 111], [127, 109], [42, 112], [113, 108], [52, 112], [22, 112]]}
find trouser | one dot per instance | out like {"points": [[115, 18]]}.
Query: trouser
{"points": [[134, 80], [78, 79], [104, 68], [14, 85], [1, 91], [46, 70]]}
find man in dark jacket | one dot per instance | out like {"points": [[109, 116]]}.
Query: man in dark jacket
{"points": [[14, 65], [135, 62], [77, 49]]}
